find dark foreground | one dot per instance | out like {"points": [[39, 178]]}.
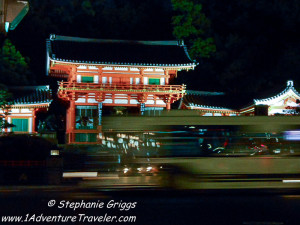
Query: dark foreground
{"points": [[150, 206]]}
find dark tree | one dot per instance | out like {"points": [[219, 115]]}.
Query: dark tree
{"points": [[14, 68], [257, 48], [4, 108], [192, 25]]}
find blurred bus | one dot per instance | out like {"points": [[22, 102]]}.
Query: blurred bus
{"points": [[224, 152]]}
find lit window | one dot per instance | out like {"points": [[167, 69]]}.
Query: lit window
{"points": [[154, 81], [85, 79]]}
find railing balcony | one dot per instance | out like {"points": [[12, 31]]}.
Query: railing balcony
{"points": [[58, 73], [121, 88]]}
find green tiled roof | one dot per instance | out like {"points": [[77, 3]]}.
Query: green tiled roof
{"points": [[31, 95], [119, 52]]}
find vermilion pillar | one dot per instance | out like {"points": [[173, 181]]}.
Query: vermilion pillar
{"points": [[72, 115], [33, 120], [71, 121], [168, 106], [6, 118]]}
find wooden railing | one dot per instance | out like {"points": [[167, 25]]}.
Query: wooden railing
{"points": [[73, 86], [58, 73]]}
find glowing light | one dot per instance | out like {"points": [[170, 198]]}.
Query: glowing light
{"points": [[54, 152], [290, 181], [293, 135], [6, 26], [80, 174], [125, 170]]}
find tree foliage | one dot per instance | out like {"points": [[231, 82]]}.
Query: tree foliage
{"points": [[4, 108], [133, 19], [4, 95], [192, 25], [14, 68]]}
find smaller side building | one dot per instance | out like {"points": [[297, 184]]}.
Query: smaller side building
{"points": [[209, 103], [284, 103], [22, 110]]}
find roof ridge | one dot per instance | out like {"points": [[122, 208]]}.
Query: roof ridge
{"points": [[30, 87], [54, 37], [211, 107], [111, 52], [290, 86], [37, 96], [204, 93], [186, 51]]}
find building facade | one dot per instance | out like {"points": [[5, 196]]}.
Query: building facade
{"points": [[21, 111], [113, 74], [284, 103]]}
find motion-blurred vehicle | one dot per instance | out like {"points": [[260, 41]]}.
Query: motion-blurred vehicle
{"points": [[232, 172], [255, 155], [139, 170]]}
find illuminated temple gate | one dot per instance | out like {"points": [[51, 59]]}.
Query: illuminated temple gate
{"points": [[113, 73]]}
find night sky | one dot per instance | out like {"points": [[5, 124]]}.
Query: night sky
{"points": [[257, 42]]}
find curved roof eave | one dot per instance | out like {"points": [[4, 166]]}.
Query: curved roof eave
{"points": [[289, 88], [206, 107], [179, 66]]}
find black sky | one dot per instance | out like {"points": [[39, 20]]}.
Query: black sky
{"points": [[258, 42]]}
